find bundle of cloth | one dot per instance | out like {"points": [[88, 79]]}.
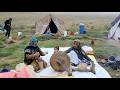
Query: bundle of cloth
{"points": [[21, 71], [88, 50], [113, 62]]}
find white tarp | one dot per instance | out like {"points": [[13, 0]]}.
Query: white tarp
{"points": [[50, 73], [114, 32]]}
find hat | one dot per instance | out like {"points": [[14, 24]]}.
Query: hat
{"points": [[34, 40]]}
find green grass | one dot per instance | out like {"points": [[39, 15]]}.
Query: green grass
{"points": [[55, 42], [13, 53], [97, 33], [16, 51], [5, 54]]}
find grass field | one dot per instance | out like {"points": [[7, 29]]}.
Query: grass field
{"points": [[96, 27]]}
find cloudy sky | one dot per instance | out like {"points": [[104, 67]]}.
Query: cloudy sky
{"points": [[77, 13], [90, 14], [71, 13], [82, 13]]}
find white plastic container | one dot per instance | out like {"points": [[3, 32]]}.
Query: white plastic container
{"points": [[65, 33], [19, 34]]}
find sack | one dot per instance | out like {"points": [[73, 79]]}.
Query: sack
{"points": [[113, 62], [88, 50]]}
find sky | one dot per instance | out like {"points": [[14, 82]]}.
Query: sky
{"points": [[87, 14], [78, 13], [69, 13]]}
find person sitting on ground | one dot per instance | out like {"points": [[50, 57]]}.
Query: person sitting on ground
{"points": [[32, 55], [56, 49], [79, 59]]}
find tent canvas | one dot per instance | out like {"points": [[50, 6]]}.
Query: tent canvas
{"points": [[50, 24], [114, 32]]}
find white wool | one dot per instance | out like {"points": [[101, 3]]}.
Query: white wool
{"points": [[87, 48]]}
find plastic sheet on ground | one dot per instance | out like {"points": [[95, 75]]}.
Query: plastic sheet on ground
{"points": [[50, 73]]}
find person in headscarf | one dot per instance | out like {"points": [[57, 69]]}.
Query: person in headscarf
{"points": [[32, 55]]}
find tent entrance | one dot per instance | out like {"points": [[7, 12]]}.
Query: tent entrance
{"points": [[52, 28]]}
